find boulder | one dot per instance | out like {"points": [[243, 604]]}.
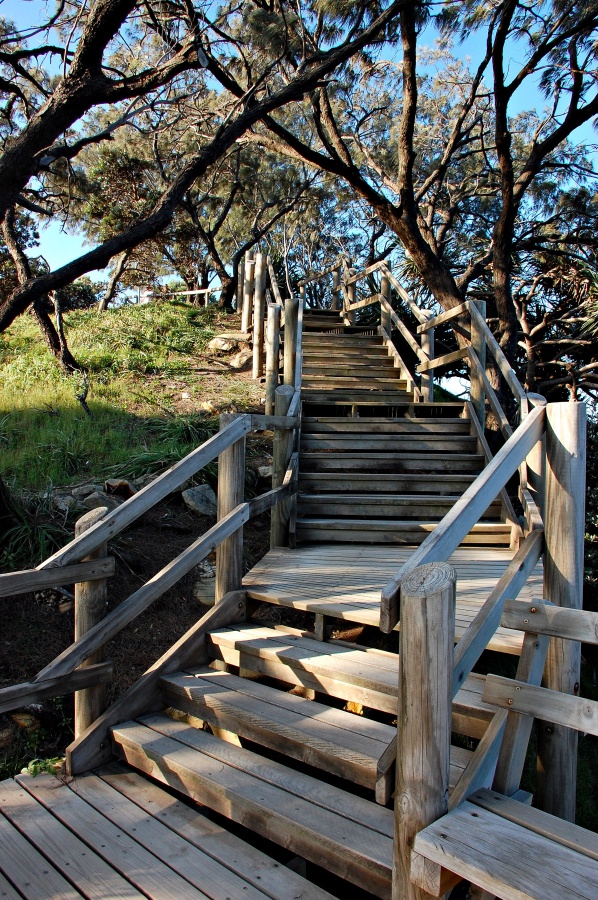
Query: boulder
{"points": [[265, 472], [221, 344], [200, 500], [84, 490], [119, 487], [100, 498], [242, 359]]}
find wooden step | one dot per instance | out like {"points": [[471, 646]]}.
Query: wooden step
{"points": [[393, 531], [401, 443], [396, 506], [364, 383], [383, 425], [356, 482], [381, 368], [343, 340], [349, 351], [355, 675], [344, 834], [335, 741], [355, 398], [395, 463]]}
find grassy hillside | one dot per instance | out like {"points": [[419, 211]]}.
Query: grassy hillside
{"points": [[154, 392]]}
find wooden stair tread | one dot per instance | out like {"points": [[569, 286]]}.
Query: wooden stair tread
{"points": [[394, 463], [506, 858], [368, 678], [443, 485], [345, 834], [338, 742], [382, 425]]}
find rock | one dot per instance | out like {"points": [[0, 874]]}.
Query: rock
{"points": [[185, 395], [100, 498], [205, 586], [265, 472], [84, 490], [241, 359], [200, 500], [63, 502], [120, 487], [221, 344], [208, 407]]}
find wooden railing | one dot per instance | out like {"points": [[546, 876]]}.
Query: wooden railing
{"points": [[67, 565]]}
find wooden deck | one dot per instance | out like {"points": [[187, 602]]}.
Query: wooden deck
{"points": [[120, 836], [345, 581]]}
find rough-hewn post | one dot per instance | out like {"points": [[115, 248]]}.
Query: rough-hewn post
{"points": [[291, 321], [336, 289], [231, 490], [351, 295], [259, 309], [240, 286], [564, 521], [385, 319], [90, 608], [281, 454], [427, 379], [272, 354], [424, 713], [248, 286], [478, 343]]}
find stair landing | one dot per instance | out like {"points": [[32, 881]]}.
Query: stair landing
{"points": [[345, 582]]}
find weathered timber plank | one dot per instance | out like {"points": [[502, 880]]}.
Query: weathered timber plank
{"points": [[32, 692], [13, 583]]}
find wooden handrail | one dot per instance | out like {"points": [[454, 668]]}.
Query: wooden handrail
{"points": [[447, 316], [419, 314], [400, 326], [18, 695], [457, 523], [439, 361], [501, 361], [316, 275], [493, 400], [141, 599], [365, 272], [13, 583]]}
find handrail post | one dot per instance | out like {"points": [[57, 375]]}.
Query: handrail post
{"points": [[240, 286], [351, 294], [291, 321], [336, 288], [385, 319], [272, 354], [478, 343], [231, 492], [427, 379], [90, 608], [281, 455], [248, 287], [564, 523], [259, 309], [424, 714]]}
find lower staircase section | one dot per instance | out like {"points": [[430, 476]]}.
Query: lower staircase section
{"points": [[285, 757]]}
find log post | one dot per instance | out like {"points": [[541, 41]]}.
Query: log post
{"points": [[291, 321], [90, 608], [564, 523], [351, 294], [240, 286], [336, 288], [385, 319], [424, 713], [478, 343], [231, 492], [259, 310], [427, 379], [248, 286], [281, 454], [272, 354]]}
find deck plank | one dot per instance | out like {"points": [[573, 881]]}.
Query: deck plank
{"points": [[346, 583]]}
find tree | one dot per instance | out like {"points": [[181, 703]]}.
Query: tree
{"points": [[448, 168], [276, 55]]}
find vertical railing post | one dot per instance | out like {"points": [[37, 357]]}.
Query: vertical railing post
{"points": [[281, 454], [240, 286], [231, 492], [291, 317], [564, 523], [478, 344], [385, 319], [351, 294], [272, 354], [424, 713], [336, 288], [248, 286], [90, 608], [259, 310], [427, 379]]}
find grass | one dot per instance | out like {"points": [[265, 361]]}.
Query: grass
{"points": [[141, 361]]}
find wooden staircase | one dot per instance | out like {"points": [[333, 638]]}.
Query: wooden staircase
{"points": [[375, 466]]}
